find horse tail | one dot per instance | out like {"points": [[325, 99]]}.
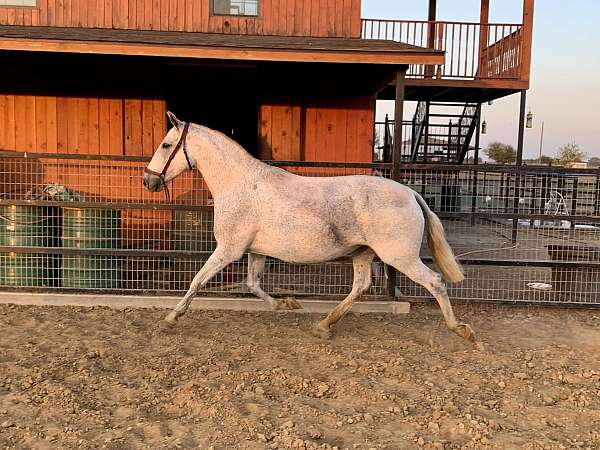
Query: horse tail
{"points": [[440, 250]]}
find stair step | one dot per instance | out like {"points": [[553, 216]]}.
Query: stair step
{"points": [[452, 115], [448, 104]]}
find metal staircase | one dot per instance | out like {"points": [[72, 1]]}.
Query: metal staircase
{"points": [[443, 136]]}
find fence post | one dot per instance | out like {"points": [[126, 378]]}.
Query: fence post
{"points": [[426, 125], [448, 144], [574, 193], [396, 159], [475, 162], [597, 196]]}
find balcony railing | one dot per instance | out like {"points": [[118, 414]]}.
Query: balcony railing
{"points": [[473, 50]]}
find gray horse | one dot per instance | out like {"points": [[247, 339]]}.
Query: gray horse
{"points": [[267, 211]]}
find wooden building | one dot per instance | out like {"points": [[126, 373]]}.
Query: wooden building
{"points": [[291, 80]]}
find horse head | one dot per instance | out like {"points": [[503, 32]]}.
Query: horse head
{"points": [[170, 158]]}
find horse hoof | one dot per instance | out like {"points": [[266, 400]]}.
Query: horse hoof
{"points": [[166, 327], [287, 304], [465, 331], [321, 332], [170, 320]]}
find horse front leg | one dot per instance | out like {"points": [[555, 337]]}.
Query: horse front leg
{"points": [[217, 261], [256, 267]]}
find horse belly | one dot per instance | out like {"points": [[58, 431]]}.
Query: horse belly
{"points": [[302, 244]]}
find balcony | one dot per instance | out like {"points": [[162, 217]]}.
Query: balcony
{"points": [[477, 55]]}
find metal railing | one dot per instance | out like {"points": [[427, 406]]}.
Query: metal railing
{"points": [[473, 50], [84, 222]]}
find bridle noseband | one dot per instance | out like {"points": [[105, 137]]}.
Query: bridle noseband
{"points": [[180, 144]]}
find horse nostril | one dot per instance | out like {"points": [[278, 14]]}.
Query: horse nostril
{"points": [[145, 182]]}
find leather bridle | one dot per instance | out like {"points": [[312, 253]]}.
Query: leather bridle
{"points": [[180, 144]]}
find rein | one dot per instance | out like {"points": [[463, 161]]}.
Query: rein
{"points": [[180, 144]]}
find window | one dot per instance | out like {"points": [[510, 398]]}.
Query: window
{"points": [[234, 7], [18, 3]]}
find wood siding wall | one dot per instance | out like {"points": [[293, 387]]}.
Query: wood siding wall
{"points": [[85, 125], [276, 17], [340, 130]]}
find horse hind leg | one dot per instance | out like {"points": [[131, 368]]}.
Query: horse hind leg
{"points": [[432, 281], [361, 283], [256, 267]]}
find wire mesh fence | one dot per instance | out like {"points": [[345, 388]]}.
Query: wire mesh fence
{"points": [[86, 223]]}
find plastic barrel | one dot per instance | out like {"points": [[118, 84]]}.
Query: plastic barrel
{"points": [[28, 226], [91, 229]]}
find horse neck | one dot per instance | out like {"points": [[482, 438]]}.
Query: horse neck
{"points": [[221, 161]]}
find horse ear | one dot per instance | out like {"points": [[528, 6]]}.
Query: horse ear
{"points": [[174, 120]]}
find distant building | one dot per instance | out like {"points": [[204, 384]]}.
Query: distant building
{"points": [[578, 165]]}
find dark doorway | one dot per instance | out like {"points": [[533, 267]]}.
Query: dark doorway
{"points": [[223, 98]]}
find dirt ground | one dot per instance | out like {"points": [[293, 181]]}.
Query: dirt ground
{"points": [[97, 378]]}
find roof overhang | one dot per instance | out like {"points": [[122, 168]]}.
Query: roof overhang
{"points": [[214, 46]]}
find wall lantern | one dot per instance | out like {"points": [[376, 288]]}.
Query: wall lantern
{"points": [[529, 121], [483, 127]]}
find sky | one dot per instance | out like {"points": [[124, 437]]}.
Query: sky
{"points": [[564, 89]]}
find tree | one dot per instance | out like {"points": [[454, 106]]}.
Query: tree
{"points": [[546, 160], [501, 153], [569, 153]]}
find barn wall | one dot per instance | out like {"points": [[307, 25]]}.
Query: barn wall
{"points": [[280, 130], [276, 17], [86, 125], [337, 130]]}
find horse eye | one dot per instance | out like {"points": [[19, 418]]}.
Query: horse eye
{"points": [[166, 145]]}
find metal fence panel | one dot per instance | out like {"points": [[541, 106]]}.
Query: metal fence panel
{"points": [[85, 222]]}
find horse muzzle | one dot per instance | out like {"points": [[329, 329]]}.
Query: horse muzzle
{"points": [[153, 183]]}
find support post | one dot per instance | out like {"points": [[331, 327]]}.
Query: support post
{"points": [[477, 134], [484, 18], [521, 127], [519, 163], [527, 34], [398, 117], [431, 15], [387, 141], [475, 162], [431, 29], [426, 134], [396, 159]]}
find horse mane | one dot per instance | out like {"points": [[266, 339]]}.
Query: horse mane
{"points": [[229, 147]]}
